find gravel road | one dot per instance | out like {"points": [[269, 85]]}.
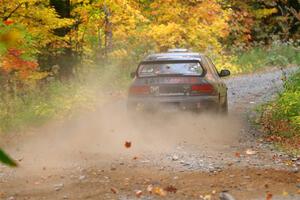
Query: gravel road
{"points": [[192, 157]]}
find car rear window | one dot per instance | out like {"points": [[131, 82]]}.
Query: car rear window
{"points": [[172, 68]]}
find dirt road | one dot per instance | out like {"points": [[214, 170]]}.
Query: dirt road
{"points": [[182, 156]]}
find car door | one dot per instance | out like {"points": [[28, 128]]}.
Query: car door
{"points": [[221, 85]]}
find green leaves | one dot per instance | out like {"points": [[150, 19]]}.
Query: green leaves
{"points": [[4, 158], [282, 117]]}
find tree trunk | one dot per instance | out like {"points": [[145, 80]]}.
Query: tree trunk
{"points": [[108, 30], [66, 60]]}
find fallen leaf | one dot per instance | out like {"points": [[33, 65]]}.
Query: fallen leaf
{"points": [[36, 183], [149, 188], [135, 158], [58, 187], [159, 191], [269, 196], [175, 157], [207, 197], [284, 193], [237, 154], [127, 144], [114, 190], [170, 189], [250, 152], [138, 193]]}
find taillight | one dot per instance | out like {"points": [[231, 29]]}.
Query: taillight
{"points": [[139, 90], [203, 88]]}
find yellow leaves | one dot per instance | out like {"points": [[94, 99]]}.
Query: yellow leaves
{"points": [[126, 17], [38, 75], [37, 16], [159, 191], [227, 62], [118, 54], [192, 23], [132, 26], [11, 38], [168, 11], [265, 12], [167, 36]]}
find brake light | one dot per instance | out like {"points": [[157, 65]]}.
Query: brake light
{"points": [[203, 88], [139, 90]]}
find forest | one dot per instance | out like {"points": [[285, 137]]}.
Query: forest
{"points": [[55, 54]]}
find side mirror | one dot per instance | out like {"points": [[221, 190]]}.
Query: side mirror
{"points": [[224, 72], [132, 74]]}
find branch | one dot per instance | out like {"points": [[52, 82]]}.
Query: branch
{"points": [[12, 12], [295, 13]]}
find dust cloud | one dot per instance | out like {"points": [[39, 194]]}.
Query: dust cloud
{"points": [[99, 137]]}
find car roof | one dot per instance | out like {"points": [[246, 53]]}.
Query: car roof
{"points": [[169, 56]]}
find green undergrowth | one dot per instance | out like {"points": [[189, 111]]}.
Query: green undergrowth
{"points": [[259, 58], [35, 107], [280, 118]]}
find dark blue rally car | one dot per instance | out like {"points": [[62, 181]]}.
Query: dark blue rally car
{"points": [[180, 80]]}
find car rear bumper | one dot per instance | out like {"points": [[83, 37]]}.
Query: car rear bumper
{"points": [[174, 102]]}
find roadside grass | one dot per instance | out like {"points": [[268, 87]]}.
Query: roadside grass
{"points": [[287, 147], [59, 101], [259, 58], [35, 107], [280, 118]]}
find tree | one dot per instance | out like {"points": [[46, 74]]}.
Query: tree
{"points": [[253, 20], [192, 23], [37, 16]]}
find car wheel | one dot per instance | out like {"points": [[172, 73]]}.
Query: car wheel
{"points": [[224, 107]]}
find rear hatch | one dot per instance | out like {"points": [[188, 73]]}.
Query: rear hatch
{"points": [[171, 78]]}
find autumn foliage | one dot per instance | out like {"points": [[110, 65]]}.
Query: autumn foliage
{"points": [[43, 41], [82, 31], [13, 62]]}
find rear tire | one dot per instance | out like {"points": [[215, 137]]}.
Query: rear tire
{"points": [[224, 107]]}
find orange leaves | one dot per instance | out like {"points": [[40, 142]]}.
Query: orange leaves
{"points": [[114, 190], [8, 22], [269, 196], [170, 189], [159, 191], [237, 154], [138, 193], [127, 144], [13, 61], [17, 49]]}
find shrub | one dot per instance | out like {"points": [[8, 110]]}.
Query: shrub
{"points": [[278, 54], [282, 117]]}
